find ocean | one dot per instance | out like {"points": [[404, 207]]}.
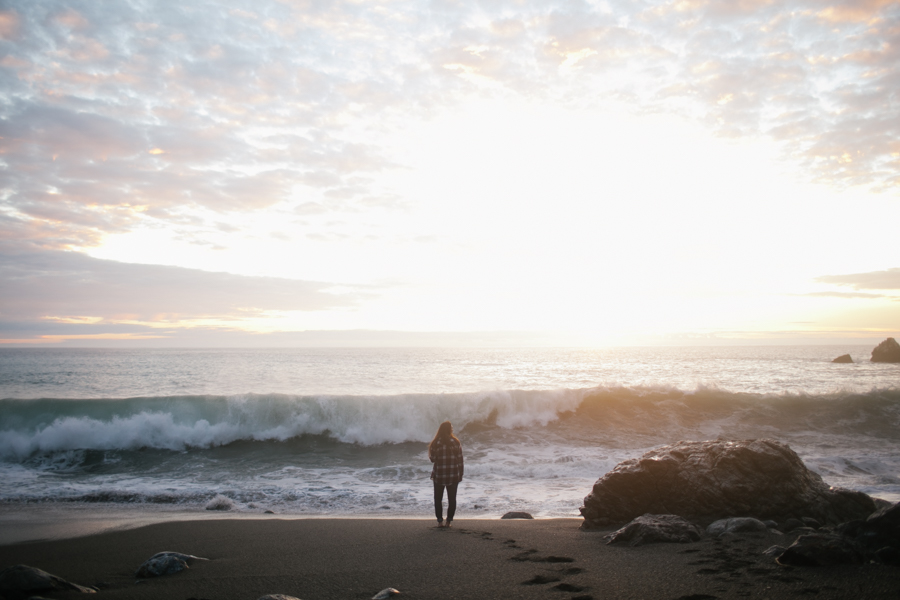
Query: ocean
{"points": [[343, 432]]}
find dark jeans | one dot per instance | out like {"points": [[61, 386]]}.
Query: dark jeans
{"points": [[439, 499]]}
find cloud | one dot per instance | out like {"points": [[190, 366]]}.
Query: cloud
{"points": [[9, 24], [844, 295], [188, 117], [118, 114], [888, 279], [74, 289]]}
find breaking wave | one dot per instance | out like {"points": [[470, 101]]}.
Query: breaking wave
{"points": [[613, 417]]}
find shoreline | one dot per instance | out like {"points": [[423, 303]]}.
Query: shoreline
{"points": [[341, 558], [39, 522]]}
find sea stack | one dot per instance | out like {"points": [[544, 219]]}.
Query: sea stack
{"points": [[887, 351], [844, 358]]}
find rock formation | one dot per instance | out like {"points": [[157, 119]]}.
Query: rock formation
{"points": [[887, 351], [707, 481], [648, 529], [517, 515], [843, 358]]}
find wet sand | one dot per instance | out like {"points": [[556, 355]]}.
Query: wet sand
{"points": [[355, 558]]}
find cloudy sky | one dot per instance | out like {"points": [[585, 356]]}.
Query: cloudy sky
{"points": [[266, 172]]}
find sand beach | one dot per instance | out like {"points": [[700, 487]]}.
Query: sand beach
{"points": [[354, 558]]}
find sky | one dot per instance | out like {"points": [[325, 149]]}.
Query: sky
{"points": [[519, 172]]}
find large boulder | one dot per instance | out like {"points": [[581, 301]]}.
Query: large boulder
{"points": [[887, 351], [843, 358], [707, 481]]}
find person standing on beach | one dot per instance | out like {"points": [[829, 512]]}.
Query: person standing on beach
{"points": [[445, 451]]}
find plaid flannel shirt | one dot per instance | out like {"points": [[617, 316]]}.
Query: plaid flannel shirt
{"points": [[448, 462]]}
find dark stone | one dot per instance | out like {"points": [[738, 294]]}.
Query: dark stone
{"points": [[707, 481], [792, 524], [888, 556], [165, 563], [736, 525], [648, 529], [882, 503], [887, 351], [517, 515], [881, 529], [822, 550], [803, 530], [810, 522], [876, 538], [844, 358], [22, 581]]}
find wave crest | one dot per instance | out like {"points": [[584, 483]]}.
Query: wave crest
{"points": [[179, 423], [613, 417]]}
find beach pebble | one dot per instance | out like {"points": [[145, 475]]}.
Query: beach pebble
{"points": [[736, 525], [648, 529], [277, 597], [20, 580], [385, 594], [517, 515], [165, 563]]}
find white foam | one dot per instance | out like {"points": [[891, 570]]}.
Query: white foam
{"points": [[208, 422]]}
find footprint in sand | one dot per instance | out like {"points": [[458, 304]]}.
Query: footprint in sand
{"points": [[540, 580]]}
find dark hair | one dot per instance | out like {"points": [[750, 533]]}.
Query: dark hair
{"points": [[444, 433]]}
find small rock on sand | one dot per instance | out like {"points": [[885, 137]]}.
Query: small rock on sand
{"points": [[517, 515], [19, 581], [648, 529], [736, 525], [165, 563]]}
